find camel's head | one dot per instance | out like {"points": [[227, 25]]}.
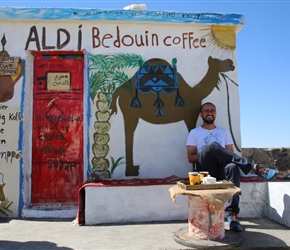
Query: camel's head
{"points": [[221, 65]]}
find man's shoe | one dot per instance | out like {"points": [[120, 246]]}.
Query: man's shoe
{"points": [[266, 173], [234, 222]]}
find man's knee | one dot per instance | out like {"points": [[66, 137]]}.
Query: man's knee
{"points": [[232, 168], [232, 173], [213, 145]]}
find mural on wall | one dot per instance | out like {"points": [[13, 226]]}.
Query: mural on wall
{"points": [[160, 96], [11, 69], [107, 74], [4, 201], [157, 93]]}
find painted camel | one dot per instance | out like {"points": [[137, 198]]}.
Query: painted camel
{"points": [[191, 99]]}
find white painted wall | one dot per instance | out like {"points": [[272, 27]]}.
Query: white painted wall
{"points": [[132, 204], [153, 203], [253, 199], [279, 202], [169, 157]]}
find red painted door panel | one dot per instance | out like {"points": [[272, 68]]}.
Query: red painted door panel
{"points": [[57, 135]]}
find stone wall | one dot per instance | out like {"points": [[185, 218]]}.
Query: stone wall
{"points": [[277, 158]]}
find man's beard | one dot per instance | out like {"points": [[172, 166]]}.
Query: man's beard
{"points": [[207, 121]]}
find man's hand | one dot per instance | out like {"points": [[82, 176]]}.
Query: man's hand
{"points": [[230, 147], [192, 156]]}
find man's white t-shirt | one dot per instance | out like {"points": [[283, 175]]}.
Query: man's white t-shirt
{"points": [[199, 137]]}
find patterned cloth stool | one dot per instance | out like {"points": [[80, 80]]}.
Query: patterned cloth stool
{"points": [[204, 221], [205, 210]]}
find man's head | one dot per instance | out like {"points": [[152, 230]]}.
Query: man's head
{"points": [[208, 112]]}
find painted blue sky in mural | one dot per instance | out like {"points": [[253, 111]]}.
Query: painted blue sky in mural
{"points": [[263, 56]]}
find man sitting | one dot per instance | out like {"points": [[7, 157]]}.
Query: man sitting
{"points": [[210, 148]]}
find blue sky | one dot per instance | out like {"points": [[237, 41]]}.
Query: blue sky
{"points": [[263, 53]]}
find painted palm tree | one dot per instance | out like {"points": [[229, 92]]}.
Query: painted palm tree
{"points": [[107, 73]]}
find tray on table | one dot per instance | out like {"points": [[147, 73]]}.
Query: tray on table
{"points": [[218, 185]]}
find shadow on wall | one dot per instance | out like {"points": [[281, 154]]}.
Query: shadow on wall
{"points": [[286, 212], [283, 217]]}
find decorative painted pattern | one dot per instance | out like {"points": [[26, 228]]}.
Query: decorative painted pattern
{"points": [[121, 15], [106, 75]]}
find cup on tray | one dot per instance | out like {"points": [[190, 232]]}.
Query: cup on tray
{"points": [[203, 174], [193, 178]]}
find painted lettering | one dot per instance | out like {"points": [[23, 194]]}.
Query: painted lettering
{"points": [[49, 149], [202, 43], [9, 156], [106, 36], [96, 39], [59, 152], [15, 116], [33, 37], [118, 39], [52, 118], [7, 120], [165, 41], [2, 119], [58, 81], [62, 165], [66, 41], [44, 46], [176, 40], [72, 119], [9, 65], [43, 127], [46, 149], [52, 136], [4, 107]]}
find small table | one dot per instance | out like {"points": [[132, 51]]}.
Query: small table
{"points": [[205, 210]]}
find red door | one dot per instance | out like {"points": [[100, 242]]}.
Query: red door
{"points": [[57, 135]]}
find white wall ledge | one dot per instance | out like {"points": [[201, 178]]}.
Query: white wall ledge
{"points": [[153, 203]]}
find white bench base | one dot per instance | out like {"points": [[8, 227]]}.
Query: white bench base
{"points": [[153, 203], [132, 204]]}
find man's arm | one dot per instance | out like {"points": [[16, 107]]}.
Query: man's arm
{"points": [[230, 147], [192, 156]]}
